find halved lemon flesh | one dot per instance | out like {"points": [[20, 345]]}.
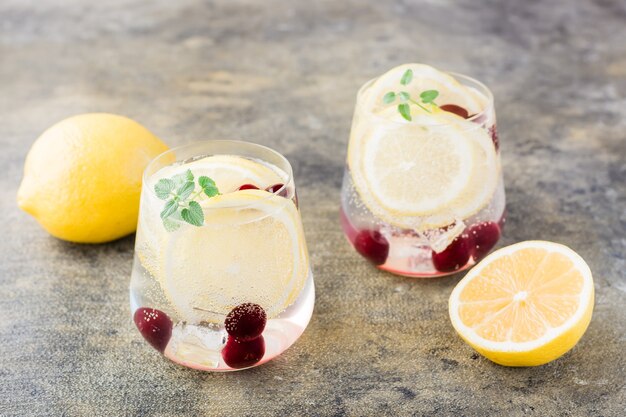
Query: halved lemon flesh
{"points": [[524, 305]]}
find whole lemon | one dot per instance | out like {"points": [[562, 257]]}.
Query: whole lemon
{"points": [[82, 177]]}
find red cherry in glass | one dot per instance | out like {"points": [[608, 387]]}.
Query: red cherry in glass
{"points": [[483, 237], [372, 245], [454, 257], [458, 110], [246, 321], [248, 187], [274, 189], [154, 326], [241, 354]]}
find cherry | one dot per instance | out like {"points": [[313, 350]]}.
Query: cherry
{"points": [[458, 110], [372, 245], [246, 321], [493, 132], [241, 354], [154, 326], [483, 237], [248, 187], [453, 257], [274, 189]]}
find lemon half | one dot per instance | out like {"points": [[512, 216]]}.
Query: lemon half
{"points": [[524, 305]]}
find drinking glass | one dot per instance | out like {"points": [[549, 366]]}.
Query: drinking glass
{"points": [[221, 277], [423, 197]]}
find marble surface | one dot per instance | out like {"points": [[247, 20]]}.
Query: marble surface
{"points": [[285, 74]]}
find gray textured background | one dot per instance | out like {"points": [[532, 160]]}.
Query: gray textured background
{"points": [[285, 74]]}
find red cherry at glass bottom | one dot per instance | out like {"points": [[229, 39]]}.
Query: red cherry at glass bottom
{"points": [[246, 321], [483, 237], [454, 257], [155, 326], [242, 354], [372, 245]]}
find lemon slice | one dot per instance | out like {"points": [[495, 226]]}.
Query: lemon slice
{"points": [[524, 305], [228, 171], [425, 78], [250, 249], [422, 174]]}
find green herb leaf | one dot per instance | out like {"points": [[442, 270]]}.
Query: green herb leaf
{"points": [[404, 96], [169, 209], [185, 190], [171, 225], [429, 96], [163, 188], [405, 111], [208, 186], [183, 177], [193, 215], [389, 97], [183, 198], [407, 77]]}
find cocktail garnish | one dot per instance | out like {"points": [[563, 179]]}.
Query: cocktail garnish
{"points": [[426, 97], [180, 196]]}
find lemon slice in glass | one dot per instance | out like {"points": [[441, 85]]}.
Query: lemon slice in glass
{"points": [[250, 249], [424, 78], [425, 173], [228, 171]]}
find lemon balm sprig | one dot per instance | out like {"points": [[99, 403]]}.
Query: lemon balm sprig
{"points": [[180, 196], [404, 108]]}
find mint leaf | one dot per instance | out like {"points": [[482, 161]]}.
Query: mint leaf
{"points": [[169, 209], [208, 186], [405, 111], [193, 215], [404, 96], [184, 185], [183, 177], [389, 97], [163, 188], [407, 77], [429, 96], [185, 190], [171, 225]]}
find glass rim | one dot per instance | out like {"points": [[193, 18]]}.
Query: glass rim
{"points": [[287, 169], [458, 76]]}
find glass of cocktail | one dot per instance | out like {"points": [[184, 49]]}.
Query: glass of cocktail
{"points": [[423, 194], [221, 277]]}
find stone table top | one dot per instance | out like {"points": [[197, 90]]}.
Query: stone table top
{"points": [[285, 74]]}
